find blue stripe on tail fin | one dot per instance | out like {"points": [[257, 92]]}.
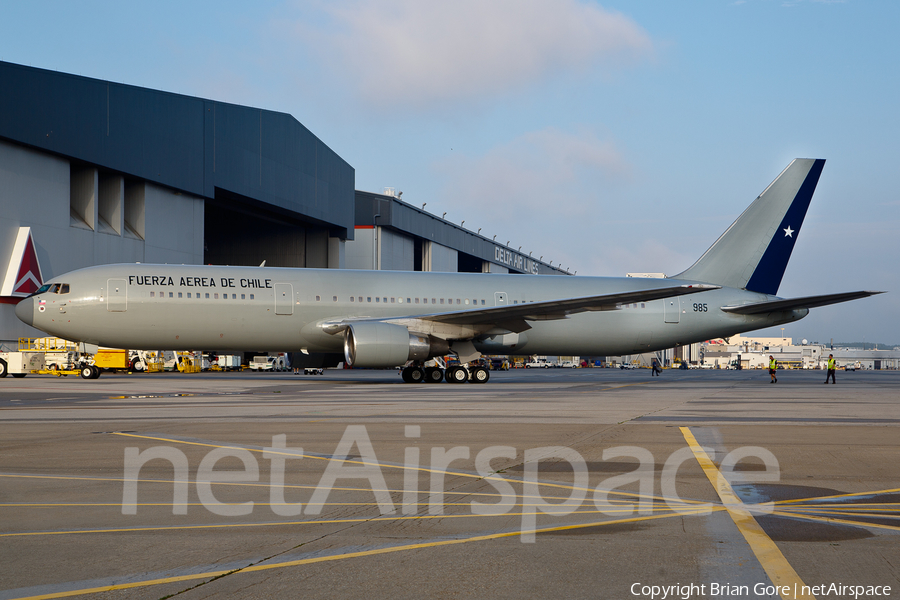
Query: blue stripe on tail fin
{"points": [[753, 253], [767, 277]]}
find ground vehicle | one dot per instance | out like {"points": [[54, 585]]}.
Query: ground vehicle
{"points": [[540, 363], [567, 364], [499, 364], [49, 356], [267, 363], [627, 366]]}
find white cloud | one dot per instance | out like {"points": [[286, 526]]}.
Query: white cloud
{"points": [[410, 53], [545, 190]]}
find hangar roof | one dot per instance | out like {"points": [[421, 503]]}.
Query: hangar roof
{"points": [[389, 211], [190, 144]]}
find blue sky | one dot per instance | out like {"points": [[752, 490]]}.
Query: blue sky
{"points": [[609, 138]]}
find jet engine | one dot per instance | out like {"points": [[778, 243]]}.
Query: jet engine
{"points": [[387, 345]]}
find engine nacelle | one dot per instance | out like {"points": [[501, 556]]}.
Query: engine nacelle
{"points": [[387, 345]]}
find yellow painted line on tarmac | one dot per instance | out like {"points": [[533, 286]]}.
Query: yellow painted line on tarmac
{"points": [[844, 505], [404, 467], [835, 521], [825, 517], [629, 495], [612, 507], [319, 522], [770, 557], [853, 495], [349, 555], [824, 513]]}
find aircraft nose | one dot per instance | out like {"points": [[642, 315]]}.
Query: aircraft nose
{"points": [[25, 311]]}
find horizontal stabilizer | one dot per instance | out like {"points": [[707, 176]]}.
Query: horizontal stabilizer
{"points": [[757, 308]]}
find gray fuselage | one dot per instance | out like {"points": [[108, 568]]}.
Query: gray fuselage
{"points": [[221, 308]]}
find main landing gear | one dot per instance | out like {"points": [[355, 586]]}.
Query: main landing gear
{"points": [[454, 374]]}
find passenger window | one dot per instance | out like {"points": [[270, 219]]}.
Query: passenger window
{"points": [[252, 296], [234, 296], [318, 298], [482, 302], [360, 298], [368, 298], [171, 295], [152, 294], [207, 295], [352, 299], [243, 296], [457, 301], [215, 296], [392, 300], [334, 298], [189, 294], [385, 300], [407, 300], [417, 300], [179, 294], [442, 300], [433, 301], [467, 300]]}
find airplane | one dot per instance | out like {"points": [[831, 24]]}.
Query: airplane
{"points": [[384, 319]]}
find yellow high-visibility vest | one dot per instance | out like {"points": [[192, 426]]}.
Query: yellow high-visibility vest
{"points": [[831, 364], [772, 364]]}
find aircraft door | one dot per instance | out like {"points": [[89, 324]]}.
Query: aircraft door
{"points": [[499, 298], [116, 295], [284, 299], [672, 310]]}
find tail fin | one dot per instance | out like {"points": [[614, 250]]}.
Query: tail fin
{"points": [[753, 253]]}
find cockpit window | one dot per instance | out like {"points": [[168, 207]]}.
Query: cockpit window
{"points": [[53, 288]]}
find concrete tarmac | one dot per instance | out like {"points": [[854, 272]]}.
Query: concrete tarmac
{"points": [[585, 483]]}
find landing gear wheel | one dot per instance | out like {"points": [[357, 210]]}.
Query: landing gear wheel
{"points": [[456, 375], [434, 375], [95, 372], [87, 372], [480, 375], [416, 375], [407, 376]]}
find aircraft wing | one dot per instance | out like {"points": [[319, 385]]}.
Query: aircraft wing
{"points": [[560, 309], [514, 317], [756, 308]]}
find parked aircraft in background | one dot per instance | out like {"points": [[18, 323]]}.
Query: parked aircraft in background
{"points": [[389, 319]]}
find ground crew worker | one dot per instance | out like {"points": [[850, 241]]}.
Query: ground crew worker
{"points": [[656, 369], [830, 372], [772, 367]]}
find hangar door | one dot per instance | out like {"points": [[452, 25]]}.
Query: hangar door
{"points": [[116, 295], [284, 299], [673, 310]]}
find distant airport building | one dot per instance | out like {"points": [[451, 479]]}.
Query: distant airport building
{"points": [[393, 235], [96, 172], [753, 353]]}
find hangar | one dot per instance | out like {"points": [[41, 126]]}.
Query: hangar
{"points": [[97, 172]]}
